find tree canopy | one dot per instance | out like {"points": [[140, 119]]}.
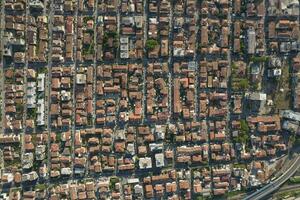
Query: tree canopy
{"points": [[243, 136], [151, 44]]}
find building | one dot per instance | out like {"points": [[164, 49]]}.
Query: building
{"points": [[290, 115], [251, 41], [40, 152], [66, 171], [145, 163], [36, 4], [274, 72], [41, 83], [40, 112], [257, 101], [31, 94], [124, 47], [27, 160], [159, 160]]}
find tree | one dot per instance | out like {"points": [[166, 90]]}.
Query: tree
{"points": [[244, 126], [110, 34], [234, 69], [242, 47], [255, 86], [243, 84], [19, 108], [113, 181], [234, 66], [243, 136], [31, 113], [151, 44], [259, 59]]}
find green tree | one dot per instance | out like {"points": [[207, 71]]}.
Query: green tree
{"points": [[111, 34], [259, 59], [243, 84], [19, 108], [151, 44], [112, 182], [244, 126], [243, 136]]}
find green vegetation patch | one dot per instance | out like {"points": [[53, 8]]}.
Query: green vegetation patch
{"points": [[42, 70], [240, 165], [110, 34], [294, 193], [151, 44], [243, 84], [282, 98], [19, 108], [40, 187], [31, 113], [294, 180], [87, 18], [243, 136], [259, 58], [88, 49], [238, 81], [234, 193], [240, 84], [112, 182]]}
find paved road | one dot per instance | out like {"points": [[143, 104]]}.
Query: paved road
{"points": [[48, 84], [2, 27], [274, 185]]}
